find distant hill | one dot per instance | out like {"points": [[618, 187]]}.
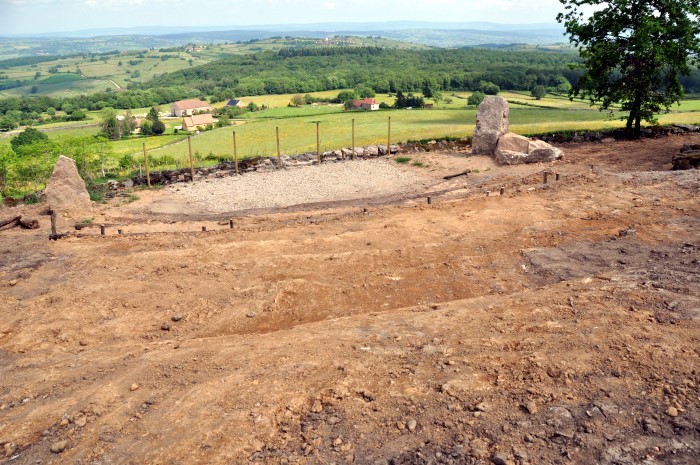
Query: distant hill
{"points": [[337, 27], [425, 33]]}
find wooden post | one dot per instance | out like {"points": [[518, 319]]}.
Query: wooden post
{"points": [[230, 224], [279, 155], [546, 177], [318, 141], [503, 190], [120, 232], [558, 177], [235, 152], [388, 142], [145, 161], [102, 230], [353, 138], [204, 229], [189, 142], [53, 223], [430, 200]]}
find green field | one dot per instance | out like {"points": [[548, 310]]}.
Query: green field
{"points": [[256, 131], [298, 134]]}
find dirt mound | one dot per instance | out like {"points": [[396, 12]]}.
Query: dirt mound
{"points": [[556, 323]]}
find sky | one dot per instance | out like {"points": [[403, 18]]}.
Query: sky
{"points": [[44, 16]]}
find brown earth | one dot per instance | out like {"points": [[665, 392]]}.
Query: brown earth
{"points": [[555, 324]]}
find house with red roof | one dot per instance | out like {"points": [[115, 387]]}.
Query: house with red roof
{"points": [[368, 104], [189, 107], [197, 122]]}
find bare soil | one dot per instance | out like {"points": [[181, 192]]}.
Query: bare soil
{"points": [[558, 323]]}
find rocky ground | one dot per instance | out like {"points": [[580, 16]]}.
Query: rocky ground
{"points": [[553, 324]]}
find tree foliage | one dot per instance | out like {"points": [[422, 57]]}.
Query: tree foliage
{"points": [[634, 52], [26, 137], [158, 127], [538, 92], [476, 98]]}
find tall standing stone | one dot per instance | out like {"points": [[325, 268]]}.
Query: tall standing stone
{"points": [[491, 124], [66, 190]]}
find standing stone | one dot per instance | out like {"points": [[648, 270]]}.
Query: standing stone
{"points": [[491, 124], [66, 190]]}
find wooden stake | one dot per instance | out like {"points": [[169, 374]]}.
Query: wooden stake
{"points": [[388, 142], [189, 142], [102, 230], [53, 223], [235, 152], [353, 138], [430, 200], [279, 155], [318, 142], [145, 160], [230, 224]]}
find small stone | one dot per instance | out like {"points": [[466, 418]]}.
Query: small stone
{"points": [[59, 446], [251, 314], [400, 425], [64, 421], [672, 412], [338, 441], [531, 407], [134, 387], [10, 448], [13, 282], [482, 407], [83, 343], [317, 407], [501, 459], [165, 327], [80, 422], [176, 317], [412, 425]]}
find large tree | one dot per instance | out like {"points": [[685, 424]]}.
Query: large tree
{"points": [[633, 52]]}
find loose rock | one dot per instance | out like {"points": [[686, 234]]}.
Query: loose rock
{"points": [[412, 425], [59, 446]]}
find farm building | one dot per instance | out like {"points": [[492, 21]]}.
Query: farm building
{"points": [[195, 122], [235, 103], [368, 104], [189, 107]]}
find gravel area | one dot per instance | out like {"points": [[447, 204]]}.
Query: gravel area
{"points": [[293, 186]]}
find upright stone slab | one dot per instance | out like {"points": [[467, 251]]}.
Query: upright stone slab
{"points": [[491, 124], [66, 190]]}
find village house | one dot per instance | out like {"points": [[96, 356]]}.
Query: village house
{"points": [[368, 104], [235, 103], [197, 122], [189, 107]]}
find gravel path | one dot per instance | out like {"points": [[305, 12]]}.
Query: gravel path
{"points": [[293, 186]]}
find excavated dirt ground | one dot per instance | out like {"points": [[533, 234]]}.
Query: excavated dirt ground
{"points": [[556, 324]]}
